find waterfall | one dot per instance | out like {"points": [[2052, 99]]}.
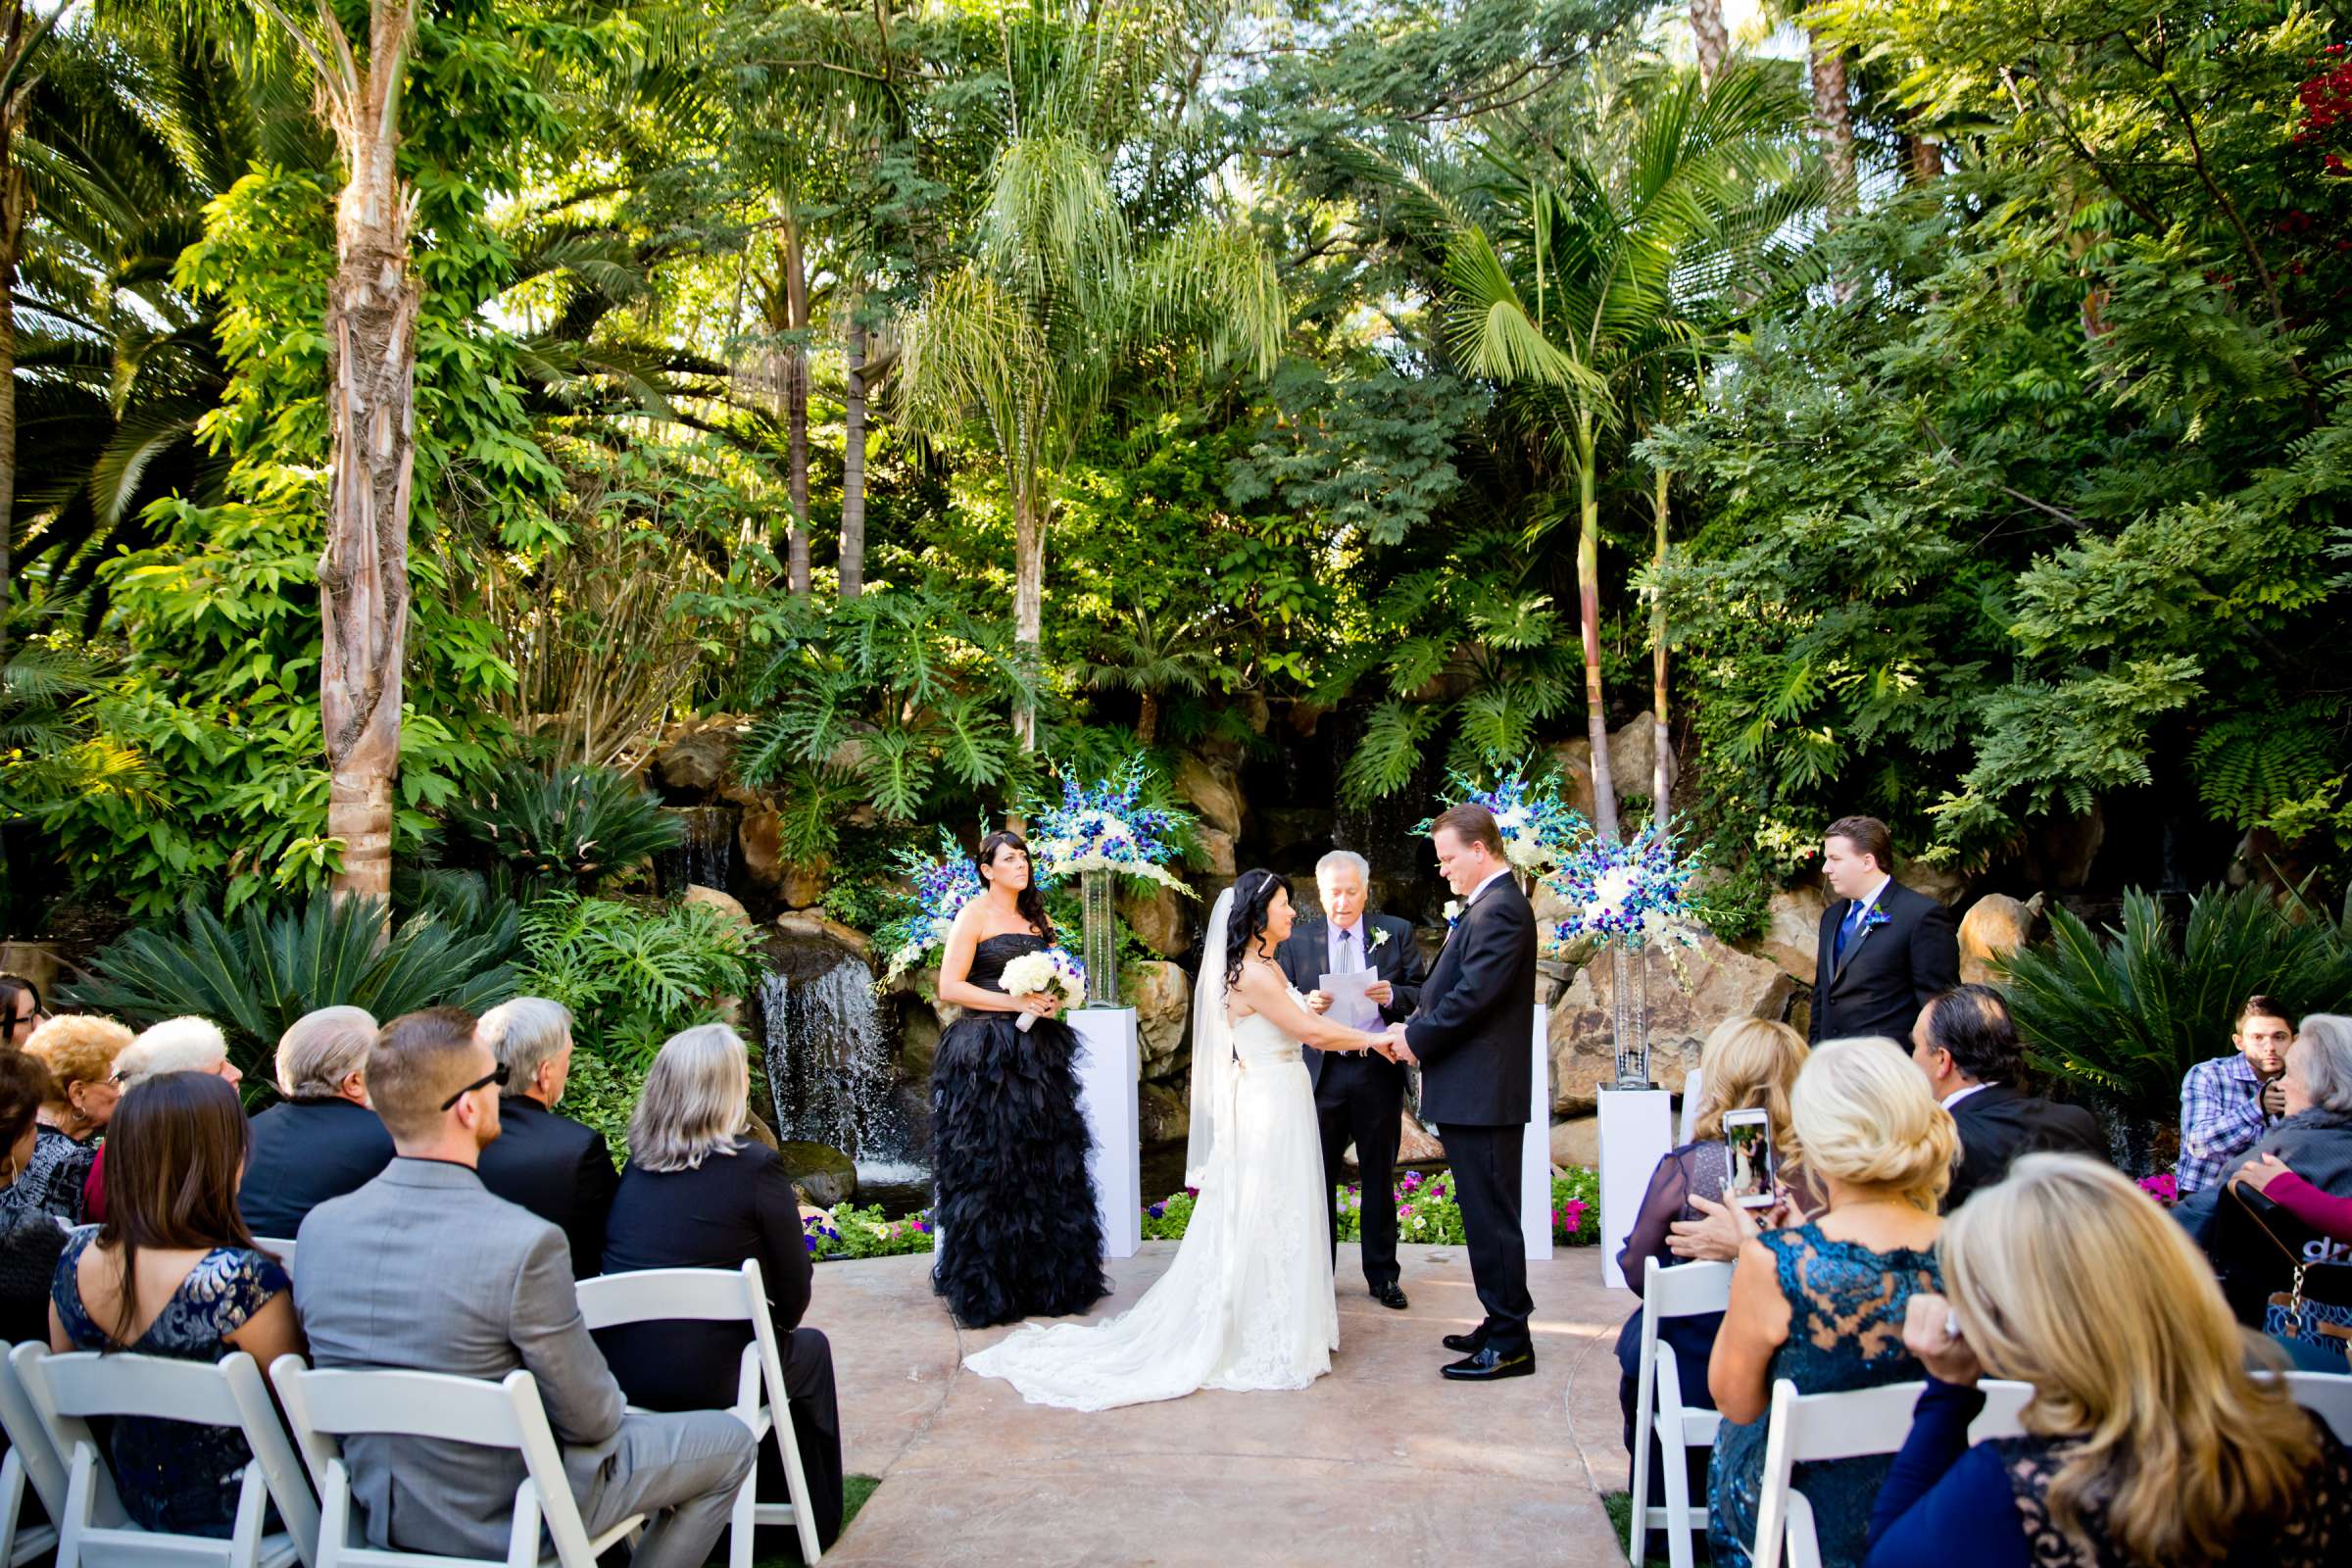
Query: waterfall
{"points": [[829, 1071], [706, 856]]}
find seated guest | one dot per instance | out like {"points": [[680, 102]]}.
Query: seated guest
{"points": [[1821, 1304], [558, 1168], [1746, 1063], [175, 1273], [80, 1053], [424, 1269], [2148, 1443], [2322, 1211], [2229, 1102], [699, 1193], [2313, 1137], [1966, 1044], [176, 1045], [321, 1140], [20, 1010], [30, 1238]]}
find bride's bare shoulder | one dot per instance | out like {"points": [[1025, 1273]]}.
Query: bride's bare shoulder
{"points": [[1259, 979]]}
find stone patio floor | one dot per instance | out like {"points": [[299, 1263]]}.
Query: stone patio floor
{"points": [[1380, 1463]]}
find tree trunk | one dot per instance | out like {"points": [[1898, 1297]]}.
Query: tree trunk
{"points": [[1587, 605], [372, 375], [853, 468], [1028, 598], [1661, 776], [1923, 160], [1146, 719], [796, 401], [16, 205], [1833, 108], [1714, 39]]}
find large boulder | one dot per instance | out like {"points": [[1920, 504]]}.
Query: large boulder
{"points": [[759, 836], [726, 904], [805, 883], [1577, 1141], [1162, 995], [1417, 1144], [1723, 984], [1217, 849], [1995, 926], [919, 1030], [1941, 883], [1633, 750], [824, 1174], [1163, 1115], [1792, 931], [1157, 918], [696, 757], [806, 925], [1214, 790]]}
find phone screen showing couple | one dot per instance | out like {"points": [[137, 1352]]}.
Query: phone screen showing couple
{"points": [[1747, 1136]]}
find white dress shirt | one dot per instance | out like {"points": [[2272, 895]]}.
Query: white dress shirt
{"points": [[1483, 886], [1958, 1095], [1348, 950]]}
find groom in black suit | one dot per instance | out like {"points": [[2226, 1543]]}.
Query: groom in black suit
{"points": [[1885, 949], [1359, 1095], [1471, 1037]]}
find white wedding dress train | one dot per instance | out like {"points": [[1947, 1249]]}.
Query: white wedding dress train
{"points": [[1248, 1304]]}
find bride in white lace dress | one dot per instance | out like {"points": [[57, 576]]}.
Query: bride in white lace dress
{"points": [[1247, 1302]]}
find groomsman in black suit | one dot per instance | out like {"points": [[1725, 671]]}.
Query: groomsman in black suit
{"points": [[1359, 1096], [1885, 948]]}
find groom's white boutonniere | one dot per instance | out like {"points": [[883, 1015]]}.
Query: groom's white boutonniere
{"points": [[1453, 912], [1380, 934]]}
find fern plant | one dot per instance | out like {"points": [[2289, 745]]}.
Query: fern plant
{"points": [[575, 831], [2127, 1012], [256, 976], [635, 973]]}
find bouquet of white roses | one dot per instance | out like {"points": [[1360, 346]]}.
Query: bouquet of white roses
{"points": [[1049, 970]]}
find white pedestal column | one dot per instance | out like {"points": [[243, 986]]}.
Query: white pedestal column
{"points": [[1535, 1153], [1636, 1128], [1106, 1067]]}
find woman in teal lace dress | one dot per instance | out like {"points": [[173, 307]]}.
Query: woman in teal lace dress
{"points": [[1821, 1303], [174, 1272]]}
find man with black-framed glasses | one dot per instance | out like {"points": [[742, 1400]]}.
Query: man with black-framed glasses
{"points": [[425, 1269]]}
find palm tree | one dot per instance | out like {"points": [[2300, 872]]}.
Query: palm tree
{"points": [[1609, 258], [1151, 659], [1020, 342]]}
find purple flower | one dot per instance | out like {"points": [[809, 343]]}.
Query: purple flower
{"points": [[1155, 1211]]}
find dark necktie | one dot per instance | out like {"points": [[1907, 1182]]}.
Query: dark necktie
{"points": [[1847, 928]]}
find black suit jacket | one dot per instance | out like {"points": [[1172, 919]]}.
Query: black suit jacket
{"points": [[1471, 1031], [1890, 971], [559, 1169], [1305, 953], [305, 1151], [1997, 1123]]}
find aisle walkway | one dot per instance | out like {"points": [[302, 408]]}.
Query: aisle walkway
{"points": [[1382, 1464]]}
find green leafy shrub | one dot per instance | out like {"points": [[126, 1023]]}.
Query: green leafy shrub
{"points": [[1426, 1210], [634, 972], [2126, 1012], [602, 1092], [853, 1232], [578, 830], [258, 975]]}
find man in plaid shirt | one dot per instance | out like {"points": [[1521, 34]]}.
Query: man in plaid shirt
{"points": [[2229, 1102]]}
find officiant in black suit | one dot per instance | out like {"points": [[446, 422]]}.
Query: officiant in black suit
{"points": [[1885, 948], [1359, 1096], [1470, 1036]]}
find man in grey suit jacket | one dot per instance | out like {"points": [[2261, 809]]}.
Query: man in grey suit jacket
{"points": [[422, 1269]]}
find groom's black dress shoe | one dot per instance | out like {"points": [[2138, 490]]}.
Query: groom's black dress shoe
{"points": [[1389, 1296], [1491, 1366], [1469, 1344]]}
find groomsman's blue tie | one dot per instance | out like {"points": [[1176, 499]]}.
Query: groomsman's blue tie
{"points": [[1845, 931]]}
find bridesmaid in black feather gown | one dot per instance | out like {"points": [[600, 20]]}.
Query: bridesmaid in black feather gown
{"points": [[1020, 1235]]}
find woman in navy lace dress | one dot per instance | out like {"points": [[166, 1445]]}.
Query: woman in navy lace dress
{"points": [[1019, 1236], [174, 1272], [1821, 1304]]}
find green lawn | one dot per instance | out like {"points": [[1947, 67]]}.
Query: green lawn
{"points": [[855, 1490], [1621, 1515]]}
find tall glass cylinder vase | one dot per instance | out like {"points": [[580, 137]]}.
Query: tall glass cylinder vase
{"points": [[1629, 1007], [1101, 931]]}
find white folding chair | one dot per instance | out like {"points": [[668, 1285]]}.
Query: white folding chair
{"points": [[1808, 1428], [323, 1407], [2328, 1396], [1692, 1084], [67, 1391], [1683, 1291], [281, 1245], [32, 1457], [723, 1295]]}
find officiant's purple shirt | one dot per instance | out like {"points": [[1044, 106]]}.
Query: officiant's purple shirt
{"points": [[1348, 955]]}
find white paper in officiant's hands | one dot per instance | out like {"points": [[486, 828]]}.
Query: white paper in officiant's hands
{"points": [[1348, 987]]}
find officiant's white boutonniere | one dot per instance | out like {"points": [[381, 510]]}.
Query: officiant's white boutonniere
{"points": [[1380, 934], [1453, 912]]}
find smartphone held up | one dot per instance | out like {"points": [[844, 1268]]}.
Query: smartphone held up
{"points": [[1747, 1135]]}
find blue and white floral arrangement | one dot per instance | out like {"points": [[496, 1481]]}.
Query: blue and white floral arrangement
{"points": [[1629, 896], [1106, 827], [942, 883], [1539, 830]]}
